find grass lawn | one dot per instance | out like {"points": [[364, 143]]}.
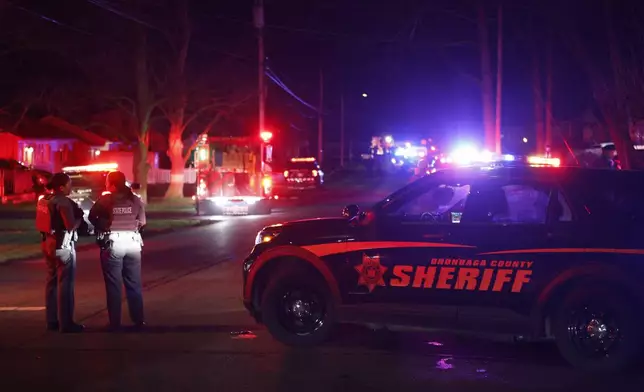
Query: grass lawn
{"points": [[27, 206], [185, 204], [19, 240]]}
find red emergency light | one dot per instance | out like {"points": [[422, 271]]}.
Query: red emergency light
{"points": [[266, 136]]}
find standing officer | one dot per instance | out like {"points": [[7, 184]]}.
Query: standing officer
{"points": [[57, 219], [119, 216]]}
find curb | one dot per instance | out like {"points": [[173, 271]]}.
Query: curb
{"points": [[201, 222]]}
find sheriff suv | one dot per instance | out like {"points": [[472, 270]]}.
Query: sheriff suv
{"points": [[539, 252], [301, 174]]}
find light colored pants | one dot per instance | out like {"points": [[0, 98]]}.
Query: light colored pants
{"points": [[121, 264]]}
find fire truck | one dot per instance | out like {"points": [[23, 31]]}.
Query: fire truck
{"points": [[231, 177]]}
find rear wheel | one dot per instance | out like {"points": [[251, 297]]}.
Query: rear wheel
{"points": [[207, 208], [263, 207], [298, 308], [597, 329]]}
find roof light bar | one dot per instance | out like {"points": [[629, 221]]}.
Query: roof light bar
{"points": [[97, 167], [542, 161], [308, 159]]}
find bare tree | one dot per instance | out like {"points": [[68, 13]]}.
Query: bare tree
{"points": [[618, 92], [537, 92], [193, 106]]}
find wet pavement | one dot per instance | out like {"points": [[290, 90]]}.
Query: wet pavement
{"points": [[201, 338]]}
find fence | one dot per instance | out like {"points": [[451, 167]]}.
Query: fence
{"points": [[162, 176]]}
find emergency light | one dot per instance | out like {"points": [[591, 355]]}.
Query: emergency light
{"points": [[542, 161], [308, 159], [97, 167], [266, 136]]}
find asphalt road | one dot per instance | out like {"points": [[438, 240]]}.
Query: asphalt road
{"points": [[193, 307]]}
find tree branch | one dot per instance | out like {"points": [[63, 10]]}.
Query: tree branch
{"points": [[113, 131], [119, 102], [199, 112], [214, 121], [206, 130]]}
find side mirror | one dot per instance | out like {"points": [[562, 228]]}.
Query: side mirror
{"points": [[351, 211], [136, 186]]}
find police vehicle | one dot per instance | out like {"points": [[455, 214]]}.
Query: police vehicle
{"points": [[300, 174], [539, 252], [88, 184]]}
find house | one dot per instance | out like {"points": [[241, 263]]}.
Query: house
{"points": [[49, 143]]}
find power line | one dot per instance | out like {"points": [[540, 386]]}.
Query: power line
{"points": [[104, 5], [50, 20], [271, 75]]}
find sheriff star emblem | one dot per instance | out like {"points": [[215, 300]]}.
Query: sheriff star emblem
{"points": [[371, 272]]}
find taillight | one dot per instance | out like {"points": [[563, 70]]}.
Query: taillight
{"points": [[285, 173], [267, 182], [315, 173], [202, 190]]}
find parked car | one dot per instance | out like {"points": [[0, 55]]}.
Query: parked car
{"points": [[39, 177]]}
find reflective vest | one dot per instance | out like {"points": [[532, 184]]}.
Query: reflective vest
{"points": [[123, 213], [45, 215]]}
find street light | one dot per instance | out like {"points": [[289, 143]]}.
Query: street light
{"points": [[364, 95], [525, 139]]}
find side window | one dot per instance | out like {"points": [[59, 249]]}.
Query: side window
{"points": [[443, 203], [566, 212], [507, 204]]}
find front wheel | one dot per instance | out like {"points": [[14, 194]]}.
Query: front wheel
{"points": [[298, 308], [597, 329]]}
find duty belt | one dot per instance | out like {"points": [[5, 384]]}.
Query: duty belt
{"points": [[64, 239], [107, 239], [122, 235]]}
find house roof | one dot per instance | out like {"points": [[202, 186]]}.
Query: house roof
{"points": [[88, 137], [51, 128]]}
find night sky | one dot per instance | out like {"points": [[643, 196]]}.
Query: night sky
{"points": [[417, 60]]}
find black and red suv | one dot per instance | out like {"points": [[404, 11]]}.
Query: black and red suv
{"points": [[538, 252]]}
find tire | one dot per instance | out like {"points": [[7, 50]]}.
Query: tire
{"points": [[286, 284], [263, 208], [207, 209], [609, 307]]}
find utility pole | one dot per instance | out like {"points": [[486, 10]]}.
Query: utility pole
{"points": [[548, 136], [258, 17], [487, 87], [320, 119], [342, 130], [499, 80]]}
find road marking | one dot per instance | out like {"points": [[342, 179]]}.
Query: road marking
{"points": [[21, 308]]}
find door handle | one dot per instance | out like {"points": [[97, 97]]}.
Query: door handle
{"points": [[436, 237]]}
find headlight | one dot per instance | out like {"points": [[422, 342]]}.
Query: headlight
{"points": [[263, 237], [267, 234]]}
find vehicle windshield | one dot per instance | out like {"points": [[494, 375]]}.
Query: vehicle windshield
{"points": [[93, 180], [302, 166], [410, 188]]}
